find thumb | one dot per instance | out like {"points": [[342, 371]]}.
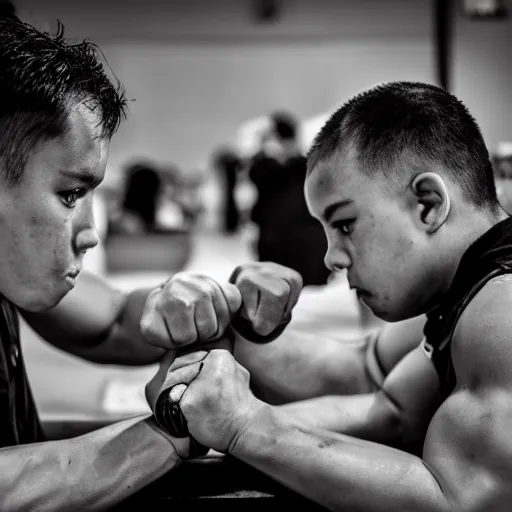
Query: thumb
{"points": [[233, 298]]}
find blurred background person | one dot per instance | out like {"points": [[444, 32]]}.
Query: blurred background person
{"points": [[186, 195], [139, 204], [227, 165], [287, 233]]}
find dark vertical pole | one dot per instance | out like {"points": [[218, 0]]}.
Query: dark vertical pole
{"points": [[443, 31]]}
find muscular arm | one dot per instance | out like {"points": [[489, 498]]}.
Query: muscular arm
{"points": [[467, 458], [301, 365], [90, 472], [396, 414], [98, 323]]}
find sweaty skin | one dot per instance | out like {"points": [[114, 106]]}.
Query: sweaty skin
{"points": [[465, 465], [46, 225]]}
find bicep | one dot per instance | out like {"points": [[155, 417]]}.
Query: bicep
{"points": [[412, 391], [85, 316], [398, 339], [469, 449]]}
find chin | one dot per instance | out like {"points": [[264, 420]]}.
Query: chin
{"points": [[392, 316], [41, 303], [386, 316]]}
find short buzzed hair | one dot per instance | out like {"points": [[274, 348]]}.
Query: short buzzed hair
{"points": [[42, 79], [399, 125]]}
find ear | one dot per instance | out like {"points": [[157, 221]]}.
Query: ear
{"points": [[432, 200]]}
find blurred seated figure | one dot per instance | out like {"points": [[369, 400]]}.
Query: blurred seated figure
{"points": [[148, 228], [287, 233], [188, 197], [180, 204], [139, 205], [228, 164]]}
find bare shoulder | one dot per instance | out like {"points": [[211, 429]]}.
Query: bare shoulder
{"points": [[468, 444], [482, 341]]}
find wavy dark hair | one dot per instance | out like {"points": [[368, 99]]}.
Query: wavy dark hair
{"points": [[397, 127], [43, 77]]}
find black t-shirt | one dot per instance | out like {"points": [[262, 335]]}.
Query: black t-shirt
{"points": [[489, 256], [288, 234], [19, 421]]}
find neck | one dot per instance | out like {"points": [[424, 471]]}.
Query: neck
{"points": [[467, 234]]}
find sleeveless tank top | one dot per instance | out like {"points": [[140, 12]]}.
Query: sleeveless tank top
{"points": [[488, 257], [19, 421]]}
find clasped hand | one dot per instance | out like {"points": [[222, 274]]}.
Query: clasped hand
{"points": [[194, 309]]}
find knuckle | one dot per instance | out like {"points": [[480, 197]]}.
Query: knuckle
{"points": [[185, 305], [201, 296], [151, 303], [146, 326], [280, 292], [208, 283], [184, 339], [177, 280], [218, 356], [207, 329], [296, 280], [244, 372], [263, 326], [229, 289], [246, 286]]}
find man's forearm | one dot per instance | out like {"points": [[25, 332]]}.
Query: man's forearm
{"points": [[337, 471], [98, 323], [125, 343], [366, 416], [90, 472], [300, 365]]}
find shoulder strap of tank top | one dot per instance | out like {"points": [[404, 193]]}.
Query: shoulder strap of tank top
{"points": [[451, 322]]}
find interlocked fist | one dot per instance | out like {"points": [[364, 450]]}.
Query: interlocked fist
{"points": [[258, 304], [193, 308], [189, 308], [269, 292]]}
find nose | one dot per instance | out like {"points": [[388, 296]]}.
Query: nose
{"points": [[336, 259], [86, 234], [86, 239]]}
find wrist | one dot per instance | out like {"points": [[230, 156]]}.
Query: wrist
{"points": [[243, 328], [172, 422], [252, 428], [180, 446]]}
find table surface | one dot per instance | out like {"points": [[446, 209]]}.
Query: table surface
{"points": [[216, 482]]}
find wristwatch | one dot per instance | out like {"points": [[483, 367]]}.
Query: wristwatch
{"points": [[171, 419], [168, 411]]}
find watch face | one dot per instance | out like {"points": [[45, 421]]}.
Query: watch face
{"points": [[168, 414], [171, 419]]}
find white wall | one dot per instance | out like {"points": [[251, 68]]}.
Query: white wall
{"points": [[198, 68], [482, 73]]}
